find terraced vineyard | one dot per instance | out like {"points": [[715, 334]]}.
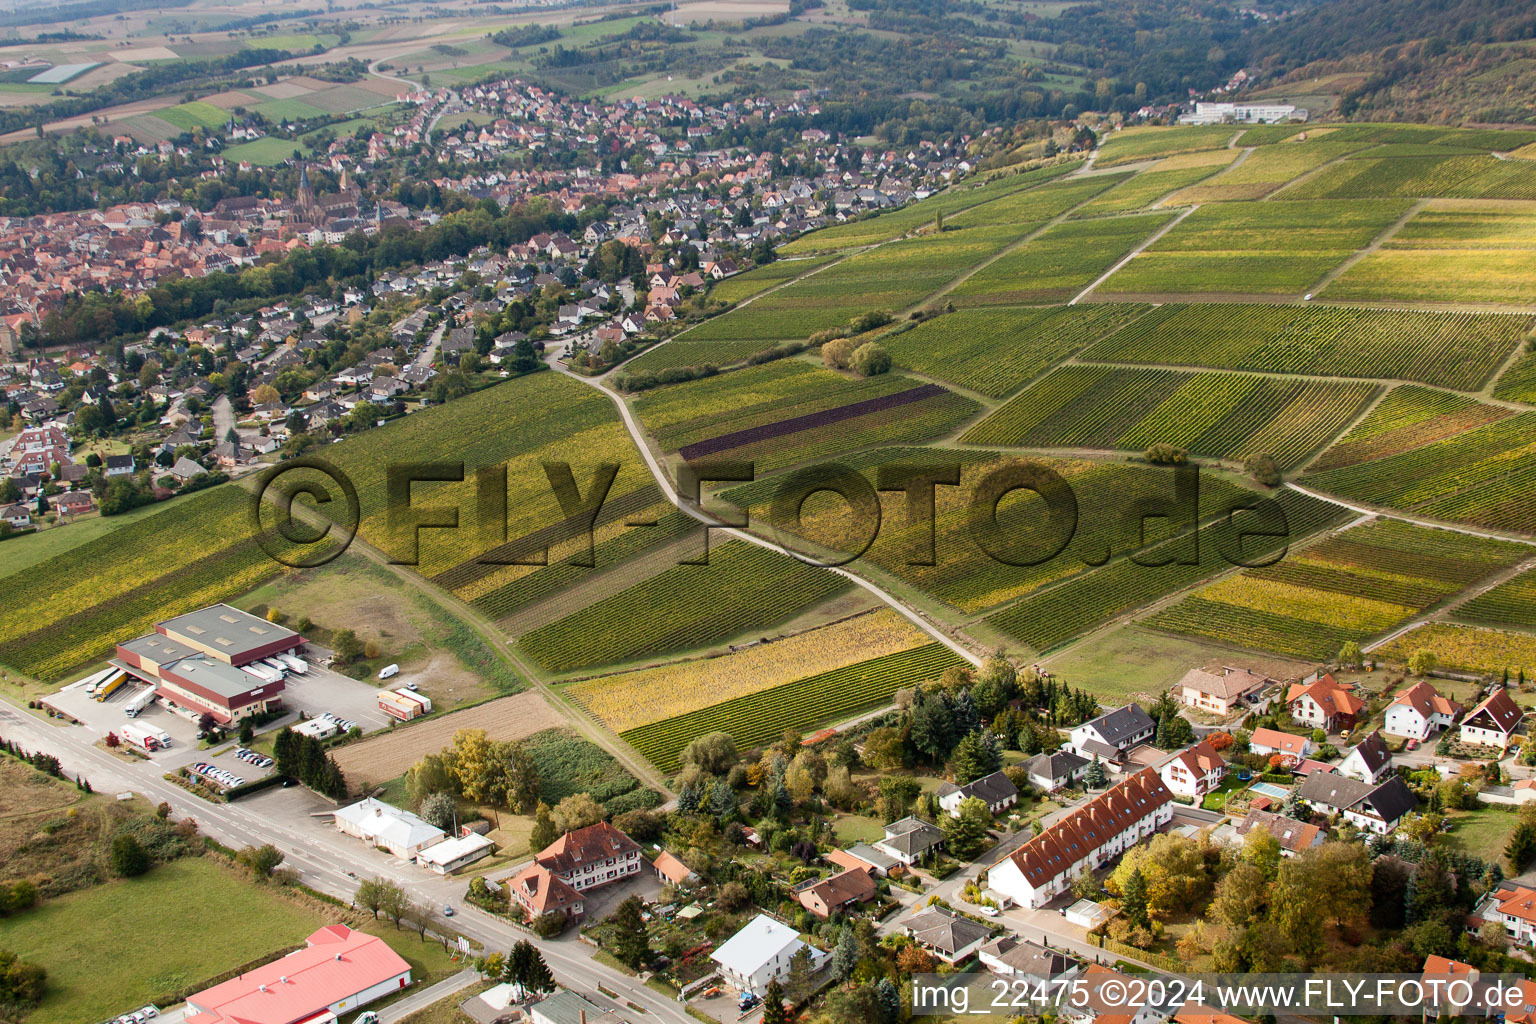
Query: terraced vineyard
{"points": [[1454, 350], [996, 351], [1311, 603], [1511, 603], [1225, 415], [1482, 476], [633, 699], [759, 717], [1061, 613], [71, 609], [1058, 263], [1409, 416], [744, 587]]}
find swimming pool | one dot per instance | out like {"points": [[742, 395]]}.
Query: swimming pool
{"points": [[1270, 789]]}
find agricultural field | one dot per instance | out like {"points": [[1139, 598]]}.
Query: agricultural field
{"points": [[569, 764], [962, 575], [1420, 172], [1163, 178], [683, 351], [1219, 414], [1134, 144], [1511, 603], [1061, 613], [756, 718], [744, 587], [1059, 262], [1468, 649], [760, 279], [199, 114], [1313, 601], [71, 609], [1482, 476], [1254, 248], [790, 411], [1453, 251], [888, 226], [900, 274], [996, 351], [1453, 350], [634, 699], [1266, 169], [1407, 417], [1518, 383]]}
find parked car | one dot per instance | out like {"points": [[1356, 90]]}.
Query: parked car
{"points": [[448, 911]]}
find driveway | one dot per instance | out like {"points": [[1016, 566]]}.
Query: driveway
{"points": [[223, 418]]}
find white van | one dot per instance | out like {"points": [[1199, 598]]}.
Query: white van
{"points": [[389, 671]]}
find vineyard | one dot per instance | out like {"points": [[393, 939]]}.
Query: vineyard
{"points": [[1511, 603], [1161, 179], [1456, 350], [682, 351], [1518, 384], [888, 226], [1409, 416], [1266, 169], [1061, 613], [744, 587], [633, 699], [1481, 476], [963, 575], [1058, 263], [756, 718], [1133, 144], [760, 279], [1468, 649], [1210, 273], [1311, 603], [997, 351], [72, 608], [1439, 275], [1220, 414], [1410, 176]]}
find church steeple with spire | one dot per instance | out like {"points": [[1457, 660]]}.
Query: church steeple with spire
{"points": [[306, 206]]}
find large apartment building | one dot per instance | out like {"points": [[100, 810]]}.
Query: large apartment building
{"points": [[577, 861]]}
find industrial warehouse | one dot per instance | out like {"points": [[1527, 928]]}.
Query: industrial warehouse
{"points": [[216, 661]]}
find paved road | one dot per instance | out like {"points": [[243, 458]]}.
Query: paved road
{"points": [[427, 996], [324, 859], [428, 354], [223, 418]]}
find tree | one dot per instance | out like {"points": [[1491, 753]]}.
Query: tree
{"points": [[476, 766], [976, 756], [631, 942], [577, 811], [914, 959], [1095, 778], [22, 983], [845, 955], [713, 752], [544, 828], [883, 749], [837, 353], [1521, 849], [1162, 454], [370, 895], [440, 810], [539, 979], [1240, 896], [1263, 469], [520, 777], [870, 360], [773, 1004], [1133, 899], [1350, 655], [797, 984], [261, 860], [129, 858], [1423, 661], [265, 394], [966, 835], [247, 732]]}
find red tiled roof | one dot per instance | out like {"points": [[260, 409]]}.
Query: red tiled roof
{"points": [[1075, 836], [1329, 695]]}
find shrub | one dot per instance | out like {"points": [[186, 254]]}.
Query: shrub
{"points": [[1162, 454], [837, 353], [871, 360], [547, 926], [129, 858]]}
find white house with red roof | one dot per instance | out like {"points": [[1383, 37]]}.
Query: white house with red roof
{"points": [[338, 971], [1194, 771], [1418, 710], [1273, 741], [1086, 839], [1513, 906], [1324, 703], [1493, 722], [584, 859]]}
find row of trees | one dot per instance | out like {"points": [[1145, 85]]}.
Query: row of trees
{"points": [[305, 758]]}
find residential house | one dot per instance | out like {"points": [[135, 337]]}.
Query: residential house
{"points": [[1373, 807], [1292, 835], [1418, 710], [1085, 839], [1493, 722], [16, 516], [1055, 770], [1221, 693], [910, 840], [944, 933], [1103, 1002], [120, 465], [865, 858], [995, 790], [1194, 772], [1273, 741], [844, 890], [585, 859], [1324, 704], [377, 823], [1112, 734], [669, 869], [1012, 957], [1514, 906], [761, 952], [74, 503], [1369, 761]]}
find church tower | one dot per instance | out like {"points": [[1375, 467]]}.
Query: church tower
{"points": [[307, 208]]}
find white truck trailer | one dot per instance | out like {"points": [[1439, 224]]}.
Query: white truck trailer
{"points": [[139, 701], [146, 737]]}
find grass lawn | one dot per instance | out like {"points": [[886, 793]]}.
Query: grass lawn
{"points": [[264, 152], [204, 919], [1128, 662], [446, 1010], [1482, 833], [853, 828]]}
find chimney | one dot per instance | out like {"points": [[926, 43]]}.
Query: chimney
{"points": [[582, 1016]]}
